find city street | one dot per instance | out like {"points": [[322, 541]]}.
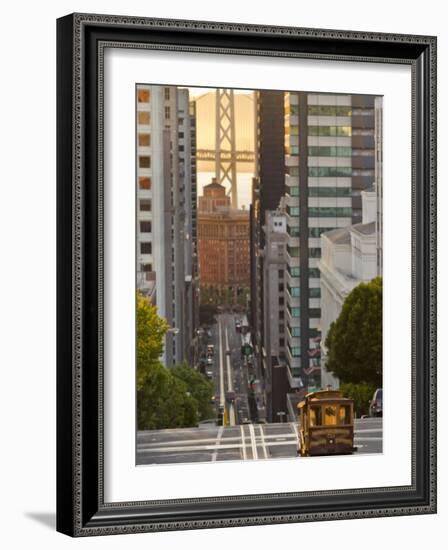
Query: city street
{"points": [[245, 442], [241, 437], [229, 372]]}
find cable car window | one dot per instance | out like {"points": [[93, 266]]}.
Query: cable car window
{"points": [[330, 415], [315, 416], [344, 414]]}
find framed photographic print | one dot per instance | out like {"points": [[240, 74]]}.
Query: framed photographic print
{"points": [[246, 274]]}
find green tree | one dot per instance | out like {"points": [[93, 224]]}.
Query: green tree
{"points": [[151, 331], [354, 341], [361, 394], [200, 389], [163, 400]]}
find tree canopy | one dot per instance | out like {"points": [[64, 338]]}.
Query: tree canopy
{"points": [[166, 397], [354, 341]]}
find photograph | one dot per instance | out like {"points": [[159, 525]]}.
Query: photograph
{"points": [[258, 274]]}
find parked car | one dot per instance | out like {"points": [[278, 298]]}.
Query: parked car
{"points": [[376, 405]]}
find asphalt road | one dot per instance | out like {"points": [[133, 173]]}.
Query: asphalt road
{"points": [[244, 442]]}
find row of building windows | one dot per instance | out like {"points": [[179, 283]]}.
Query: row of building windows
{"points": [[329, 171], [329, 191], [329, 212], [321, 151], [341, 131], [321, 171], [329, 110], [316, 232], [321, 110]]}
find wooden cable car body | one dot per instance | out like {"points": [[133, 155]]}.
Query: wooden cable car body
{"points": [[326, 424]]}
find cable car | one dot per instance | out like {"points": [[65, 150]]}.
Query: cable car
{"points": [[326, 424]]}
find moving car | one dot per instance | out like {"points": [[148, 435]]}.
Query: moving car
{"points": [[230, 396], [325, 424], [376, 405]]}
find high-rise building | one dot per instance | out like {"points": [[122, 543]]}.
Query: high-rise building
{"points": [[164, 210], [330, 160], [267, 189], [273, 346], [223, 245]]}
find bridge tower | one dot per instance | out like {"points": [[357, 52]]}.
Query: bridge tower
{"points": [[225, 165]]}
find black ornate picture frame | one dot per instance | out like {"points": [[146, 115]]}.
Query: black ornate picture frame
{"points": [[81, 509]]}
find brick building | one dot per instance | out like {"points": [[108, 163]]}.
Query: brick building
{"points": [[223, 245]]}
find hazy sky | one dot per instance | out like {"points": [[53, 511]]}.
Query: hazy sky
{"points": [[195, 92]]}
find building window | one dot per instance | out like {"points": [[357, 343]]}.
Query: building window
{"points": [[294, 331], [167, 94], [143, 117], [281, 342], [144, 182], [167, 112], [281, 315], [293, 190], [316, 232], [293, 210], [315, 252], [144, 140], [294, 311], [314, 312], [143, 96], [314, 273], [293, 230], [145, 205], [314, 292], [292, 171], [281, 301], [293, 251], [281, 273], [294, 271], [146, 248], [144, 161], [294, 350], [145, 227], [294, 291], [146, 268]]}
